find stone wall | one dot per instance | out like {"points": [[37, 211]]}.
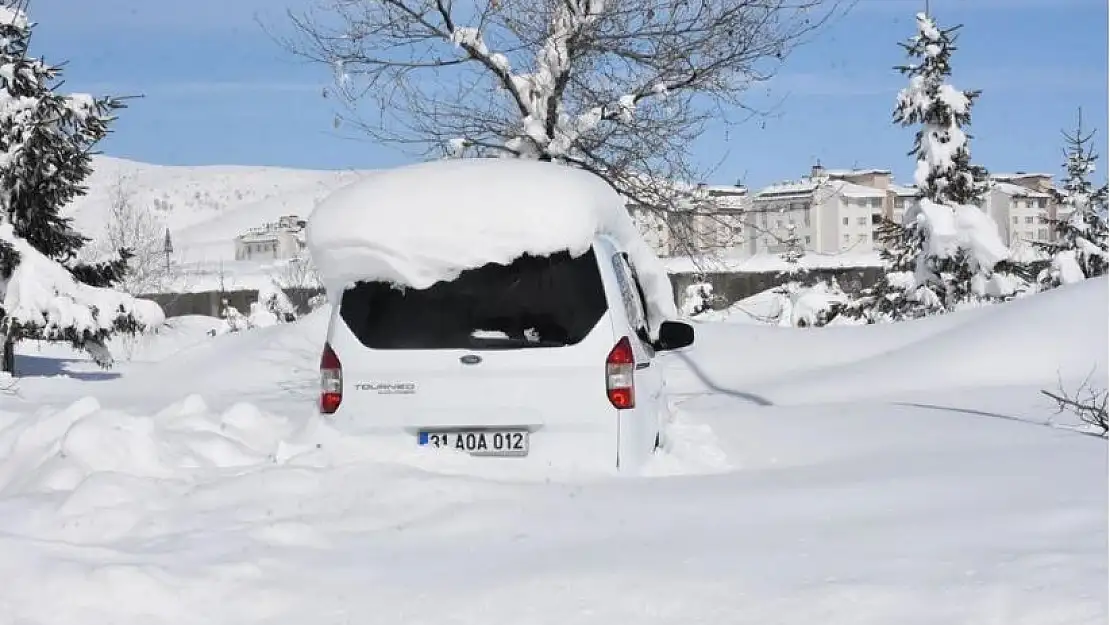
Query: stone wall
{"points": [[209, 302], [729, 287]]}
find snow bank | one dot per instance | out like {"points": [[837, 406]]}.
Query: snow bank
{"points": [[421, 224], [1037, 340]]}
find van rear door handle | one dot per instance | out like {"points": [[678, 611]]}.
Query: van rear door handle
{"points": [[643, 365]]}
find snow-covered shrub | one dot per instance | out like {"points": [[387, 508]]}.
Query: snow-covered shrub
{"points": [[808, 306], [233, 320], [697, 299], [273, 301]]}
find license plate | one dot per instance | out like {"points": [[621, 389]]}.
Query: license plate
{"points": [[479, 442]]}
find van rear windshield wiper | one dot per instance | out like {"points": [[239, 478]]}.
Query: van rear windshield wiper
{"points": [[504, 342]]}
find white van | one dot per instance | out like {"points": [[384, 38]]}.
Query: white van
{"points": [[540, 356]]}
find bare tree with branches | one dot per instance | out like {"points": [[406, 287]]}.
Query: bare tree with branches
{"points": [[1087, 403], [621, 89], [135, 228]]}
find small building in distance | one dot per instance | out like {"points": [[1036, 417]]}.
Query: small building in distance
{"points": [[280, 240]]}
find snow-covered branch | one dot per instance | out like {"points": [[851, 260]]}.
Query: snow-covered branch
{"points": [[619, 88], [42, 300]]}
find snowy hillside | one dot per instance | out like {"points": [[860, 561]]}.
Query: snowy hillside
{"points": [[908, 473], [205, 207]]}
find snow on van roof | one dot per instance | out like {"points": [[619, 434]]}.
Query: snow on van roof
{"points": [[420, 224]]}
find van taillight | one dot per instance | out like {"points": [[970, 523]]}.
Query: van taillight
{"points": [[620, 369], [331, 381]]}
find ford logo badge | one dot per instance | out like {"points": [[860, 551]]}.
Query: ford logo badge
{"points": [[470, 359]]}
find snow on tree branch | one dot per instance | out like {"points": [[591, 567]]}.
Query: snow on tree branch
{"points": [[621, 89], [42, 300]]}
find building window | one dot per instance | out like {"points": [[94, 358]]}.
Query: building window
{"points": [[805, 215], [876, 202], [1042, 234], [899, 202], [809, 239], [862, 238], [1015, 219], [861, 221], [1028, 219], [847, 239], [845, 220]]}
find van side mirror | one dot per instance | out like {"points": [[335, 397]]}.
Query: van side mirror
{"points": [[674, 335]]}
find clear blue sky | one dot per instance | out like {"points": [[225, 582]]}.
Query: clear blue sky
{"points": [[218, 90]]}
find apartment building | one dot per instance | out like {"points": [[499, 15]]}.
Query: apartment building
{"points": [[833, 210], [712, 220], [1021, 204]]}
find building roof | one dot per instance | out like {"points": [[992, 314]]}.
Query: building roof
{"points": [[850, 189], [903, 191], [1018, 190], [840, 173], [725, 189], [257, 237], [804, 186], [1019, 175]]}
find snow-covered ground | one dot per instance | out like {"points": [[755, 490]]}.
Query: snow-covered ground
{"points": [[908, 473]]}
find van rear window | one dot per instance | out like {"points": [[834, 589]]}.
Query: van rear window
{"points": [[536, 301]]}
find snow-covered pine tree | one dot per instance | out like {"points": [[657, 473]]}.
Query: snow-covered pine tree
{"points": [[1080, 248], [945, 252], [46, 142], [887, 300]]}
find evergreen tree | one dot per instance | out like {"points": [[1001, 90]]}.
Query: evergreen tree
{"points": [[887, 300], [945, 252], [46, 142], [1080, 248]]}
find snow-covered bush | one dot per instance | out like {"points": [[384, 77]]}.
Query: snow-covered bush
{"points": [[697, 299], [233, 320], [271, 308], [273, 301], [808, 306], [46, 142]]}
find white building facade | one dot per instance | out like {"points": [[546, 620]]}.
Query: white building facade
{"points": [[833, 211], [280, 240], [1022, 205]]}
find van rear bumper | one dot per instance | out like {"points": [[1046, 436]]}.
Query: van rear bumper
{"points": [[575, 445]]}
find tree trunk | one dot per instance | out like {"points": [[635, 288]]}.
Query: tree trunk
{"points": [[8, 362]]}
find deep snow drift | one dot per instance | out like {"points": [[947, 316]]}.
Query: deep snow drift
{"points": [[925, 482]]}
